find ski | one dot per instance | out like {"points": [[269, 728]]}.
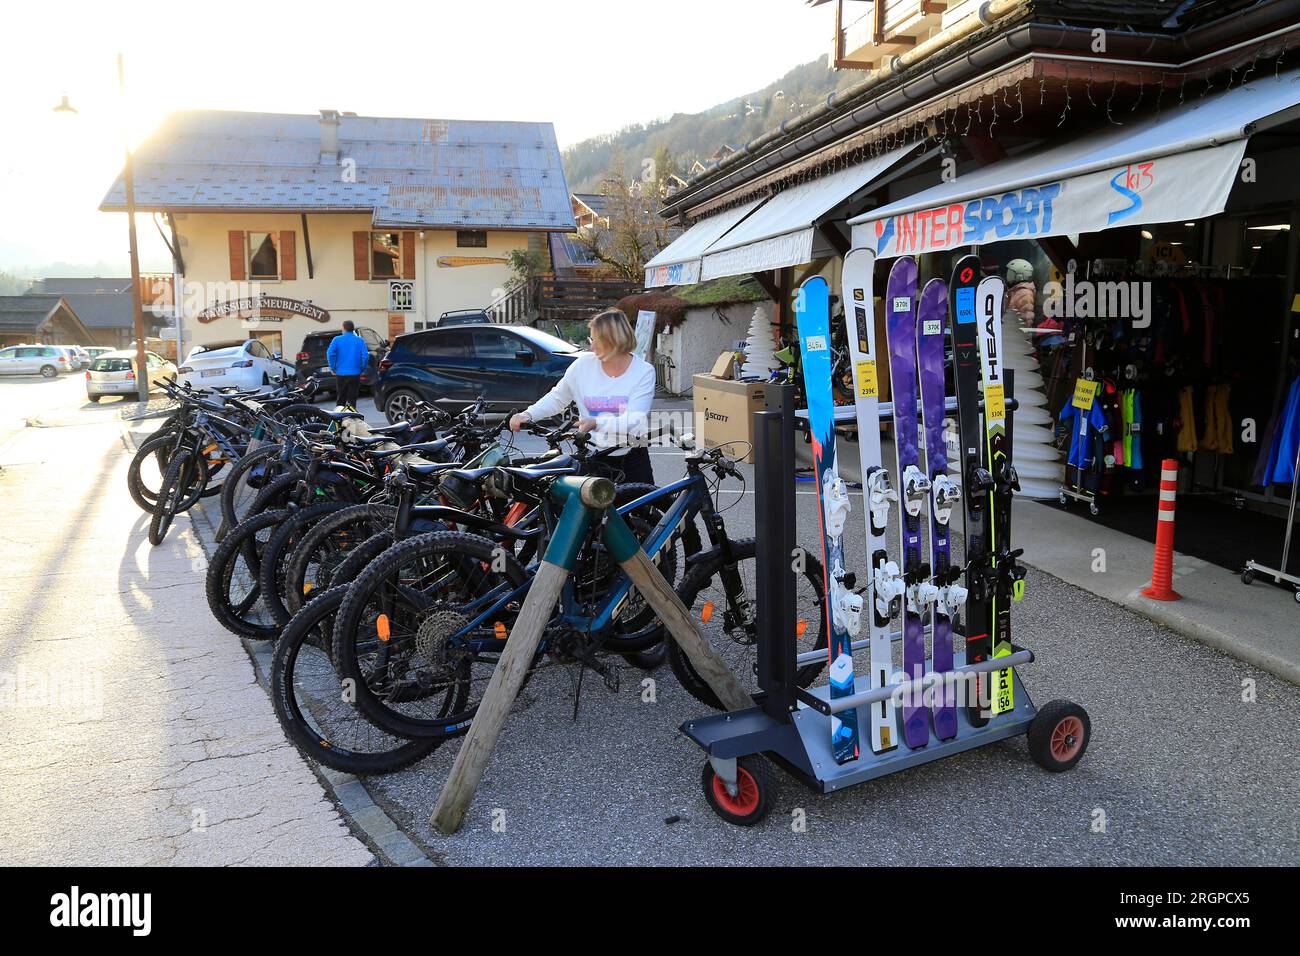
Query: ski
{"points": [[843, 607], [1007, 575], [900, 325], [885, 585], [931, 336], [976, 481]]}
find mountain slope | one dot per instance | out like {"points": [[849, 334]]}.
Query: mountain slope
{"points": [[692, 136]]}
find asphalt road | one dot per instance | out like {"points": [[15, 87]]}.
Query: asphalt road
{"points": [[1181, 770], [1193, 760]]}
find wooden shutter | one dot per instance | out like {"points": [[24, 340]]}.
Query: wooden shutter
{"points": [[408, 255], [288, 254], [361, 255], [238, 267]]}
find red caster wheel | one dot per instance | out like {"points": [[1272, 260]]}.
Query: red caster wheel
{"points": [[1059, 734], [756, 789]]}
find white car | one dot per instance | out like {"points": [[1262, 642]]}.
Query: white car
{"points": [[234, 364], [114, 373]]}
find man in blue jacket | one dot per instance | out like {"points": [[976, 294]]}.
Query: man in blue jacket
{"points": [[347, 357]]}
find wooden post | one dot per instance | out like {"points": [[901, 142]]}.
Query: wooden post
{"points": [[586, 498], [584, 495]]}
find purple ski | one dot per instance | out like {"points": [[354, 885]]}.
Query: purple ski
{"points": [[914, 487], [948, 595]]}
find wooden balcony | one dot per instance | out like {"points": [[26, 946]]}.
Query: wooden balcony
{"points": [[868, 34]]}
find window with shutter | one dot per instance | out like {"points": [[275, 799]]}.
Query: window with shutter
{"points": [[361, 255], [237, 268], [408, 255], [263, 257], [288, 254]]}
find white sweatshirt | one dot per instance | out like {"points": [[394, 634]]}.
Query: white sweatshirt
{"points": [[620, 406]]}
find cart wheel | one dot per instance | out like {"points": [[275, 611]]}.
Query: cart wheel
{"points": [[1297, 596], [1064, 499], [755, 792], [1059, 735], [1247, 577], [1093, 509]]}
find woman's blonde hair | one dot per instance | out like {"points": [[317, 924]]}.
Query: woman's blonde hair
{"points": [[613, 328]]}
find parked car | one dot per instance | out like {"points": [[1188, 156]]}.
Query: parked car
{"points": [[464, 317], [95, 351], [114, 373], [311, 359], [509, 365], [237, 363], [46, 360], [78, 357]]}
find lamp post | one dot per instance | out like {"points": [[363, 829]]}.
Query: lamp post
{"points": [[137, 305]]}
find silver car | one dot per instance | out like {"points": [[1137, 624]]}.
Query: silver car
{"points": [[45, 360], [114, 373]]}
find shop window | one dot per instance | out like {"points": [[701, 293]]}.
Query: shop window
{"points": [[263, 257], [471, 239], [385, 255]]}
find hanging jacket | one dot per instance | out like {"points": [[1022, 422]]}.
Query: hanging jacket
{"points": [[1085, 427], [1218, 420], [1186, 421], [1282, 454]]}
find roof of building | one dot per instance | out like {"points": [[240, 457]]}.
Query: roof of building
{"points": [[62, 284], [29, 313], [98, 310], [421, 173], [598, 203]]}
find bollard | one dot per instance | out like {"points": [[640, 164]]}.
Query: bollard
{"points": [[1162, 567]]}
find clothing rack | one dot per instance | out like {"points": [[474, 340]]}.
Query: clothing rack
{"points": [[1279, 574]]}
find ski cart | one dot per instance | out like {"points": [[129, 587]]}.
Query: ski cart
{"points": [[840, 734], [1255, 569]]}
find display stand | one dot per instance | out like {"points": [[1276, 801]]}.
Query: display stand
{"points": [[791, 725], [1279, 574]]}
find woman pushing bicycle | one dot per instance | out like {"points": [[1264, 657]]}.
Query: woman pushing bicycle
{"points": [[613, 390]]}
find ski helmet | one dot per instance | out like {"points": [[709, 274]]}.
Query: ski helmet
{"points": [[1018, 270]]}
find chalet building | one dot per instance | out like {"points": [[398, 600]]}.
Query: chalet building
{"points": [[281, 225], [104, 304], [40, 320]]}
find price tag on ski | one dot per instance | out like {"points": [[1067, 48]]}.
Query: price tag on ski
{"points": [[843, 607], [885, 584]]}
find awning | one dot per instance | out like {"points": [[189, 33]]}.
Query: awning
{"points": [[678, 263], [1178, 165], [783, 231]]}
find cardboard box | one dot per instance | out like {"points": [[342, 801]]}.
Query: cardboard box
{"points": [[724, 412], [724, 365]]}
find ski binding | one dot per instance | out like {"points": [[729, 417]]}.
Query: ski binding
{"points": [[880, 495]]}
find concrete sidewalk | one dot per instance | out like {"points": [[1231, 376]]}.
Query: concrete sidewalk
{"points": [[132, 729], [1258, 624]]}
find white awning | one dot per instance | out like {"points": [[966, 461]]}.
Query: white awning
{"points": [[678, 263], [783, 231], [1177, 165]]}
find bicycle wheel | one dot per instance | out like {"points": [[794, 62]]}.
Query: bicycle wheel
{"points": [[313, 706], [145, 473], [183, 469], [302, 414], [247, 477], [730, 623], [319, 552], [234, 594], [392, 634], [271, 575]]}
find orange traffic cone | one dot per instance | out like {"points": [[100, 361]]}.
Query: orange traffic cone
{"points": [[1162, 568]]}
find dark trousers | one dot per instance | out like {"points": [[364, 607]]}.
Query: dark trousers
{"points": [[347, 387], [623, 469]]}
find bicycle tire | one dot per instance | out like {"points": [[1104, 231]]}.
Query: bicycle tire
{"points": [[302, 413], [318, 549], [325, 727], [144, 496], [171, 493], [352, 617], [237, 615], [271, 576], [237, 484], [696, 581]]}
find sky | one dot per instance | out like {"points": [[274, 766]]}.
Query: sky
{"points": [[588, 66]]}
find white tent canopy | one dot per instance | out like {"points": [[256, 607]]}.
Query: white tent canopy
{"points": [[678, 263], [768, 233], [1177, 165]]}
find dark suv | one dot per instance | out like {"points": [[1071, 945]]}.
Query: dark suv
{"points": [[312, 361], [509, 365], [464, 317]]}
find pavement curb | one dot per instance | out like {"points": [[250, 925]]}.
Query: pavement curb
{"points": [[1166, 613], [368, 821]]}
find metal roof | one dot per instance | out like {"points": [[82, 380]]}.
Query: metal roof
{"points": [[29, 313], [97, 310], [409, 172]]}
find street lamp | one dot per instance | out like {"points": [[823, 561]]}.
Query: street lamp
{"points": [[137, 306]]}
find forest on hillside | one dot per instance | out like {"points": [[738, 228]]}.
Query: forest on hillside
{"points": [[687, 137]]}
